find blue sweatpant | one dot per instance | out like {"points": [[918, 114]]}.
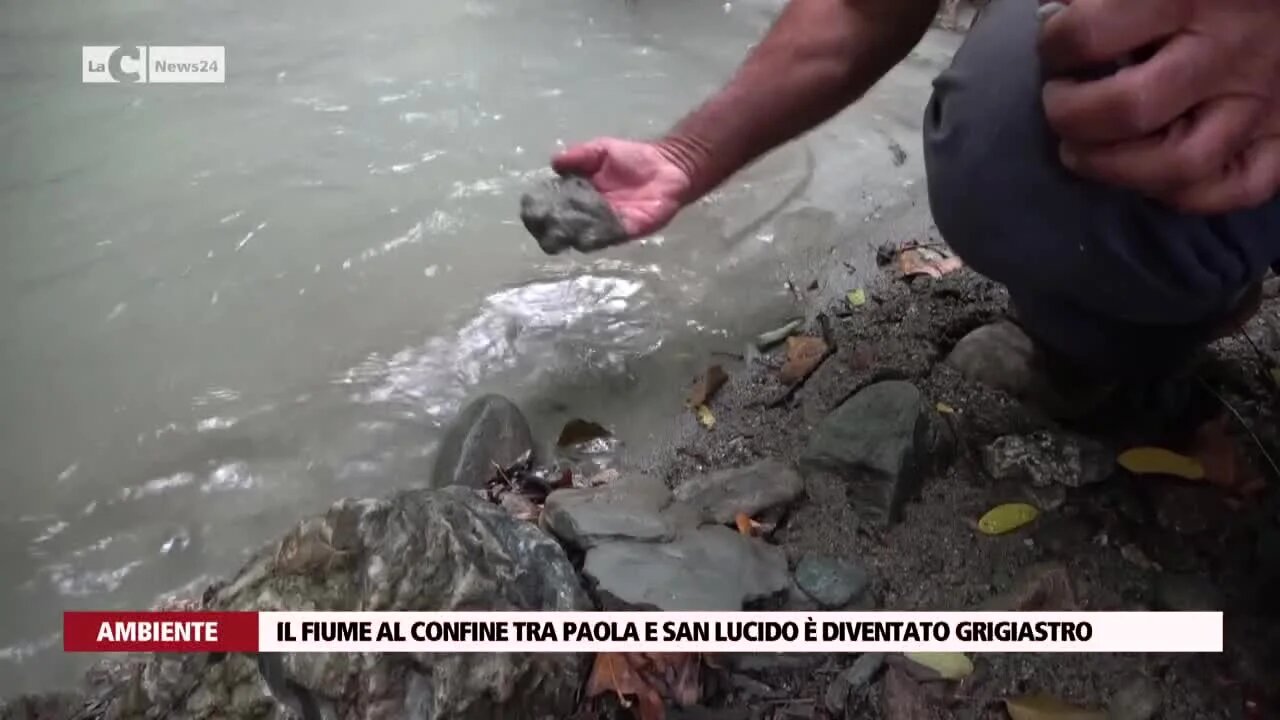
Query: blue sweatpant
{"points": [[1117, 283]]}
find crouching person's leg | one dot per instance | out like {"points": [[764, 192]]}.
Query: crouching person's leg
{"points": [[1110, 286]]}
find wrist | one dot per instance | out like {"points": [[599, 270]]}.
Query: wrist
{"points": [[692, 156]]}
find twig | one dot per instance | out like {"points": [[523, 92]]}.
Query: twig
{"points": [[1240, 418], [828, 339]]}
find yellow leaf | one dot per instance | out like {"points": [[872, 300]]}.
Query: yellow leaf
{"points": [[1158, 461], [1006, 518], [705, 417], [857, 298], [946, 409], [1047, 707], [948, 665]]}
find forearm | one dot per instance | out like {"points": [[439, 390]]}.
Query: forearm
{"points": [[819, 57]]}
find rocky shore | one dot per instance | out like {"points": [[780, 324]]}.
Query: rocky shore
{"points": [[860, 486]]}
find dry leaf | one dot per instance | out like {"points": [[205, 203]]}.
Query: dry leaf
{"points": [[945, 409], [705, 418], [857, 298], [1047, 707], [751, 528], [926, 261], [1158, 461], [614, 672], [1275, 376], [1007, 518], [948, 665], [803, 355], [707, 386], [1222, 458]]}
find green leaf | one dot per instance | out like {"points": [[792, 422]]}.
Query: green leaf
{"points": [[1158, 461], [857, 298], [948, 665], [1007, 518]]}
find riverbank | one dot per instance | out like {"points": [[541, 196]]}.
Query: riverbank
{"points": [[1103, 540]]}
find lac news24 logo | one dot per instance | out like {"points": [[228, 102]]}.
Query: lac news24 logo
{"points": [[137, 64]]}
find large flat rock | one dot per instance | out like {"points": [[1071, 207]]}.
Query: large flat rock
{"points": [[626, 509], [718, 497], [712, 568]]}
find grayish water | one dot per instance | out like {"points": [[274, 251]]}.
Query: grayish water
{"points": [[226, 306]]}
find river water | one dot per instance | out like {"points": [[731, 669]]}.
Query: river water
{"points": [[225, 306]]}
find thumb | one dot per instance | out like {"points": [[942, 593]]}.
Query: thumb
{"points": [[584, 159]]}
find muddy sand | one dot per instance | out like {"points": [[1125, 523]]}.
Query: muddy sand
{"points": [[1129, 543]]}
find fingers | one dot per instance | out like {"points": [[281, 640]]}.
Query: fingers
{"points": [[1192, 149], [1251, 181], [1090, 33], [1135, 101], [585, 159]]}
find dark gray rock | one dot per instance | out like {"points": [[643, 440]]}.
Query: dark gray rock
{"points": [[418, 550], [1139, 699], [883, 442], [626, 509], [830, 582], [45, 706], [1186, 592], [568, 212], [490, 430], [712, 568], [851, 679], [1047, 499], [719, 496], [1188, 509], [1045, 458]]}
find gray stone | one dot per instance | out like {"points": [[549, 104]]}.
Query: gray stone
{"points": [[830, 582], [568, 212], [851, 679], [418, 550], [720, 496], [627, 509], [1003, 357], [883, 442], [712, 568], [1186, 592], [1045, 458], [490, 430], [1138, 700], [1047, 499]]}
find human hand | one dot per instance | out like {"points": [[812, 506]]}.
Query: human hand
{"points": [[1194, 123], [639, 181]]}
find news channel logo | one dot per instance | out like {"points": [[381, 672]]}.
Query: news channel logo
{"points": [[154, 64]]}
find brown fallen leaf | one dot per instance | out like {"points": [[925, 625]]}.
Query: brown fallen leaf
{"points": [[706, 386], [1047, 707], [926, 261], [1223, 460], [804, 353], [615, 673]]}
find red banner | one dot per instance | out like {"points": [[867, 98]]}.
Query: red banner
{"points": [[160, 632]]}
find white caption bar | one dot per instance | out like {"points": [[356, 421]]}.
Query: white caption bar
{"points": [[821, 632]]}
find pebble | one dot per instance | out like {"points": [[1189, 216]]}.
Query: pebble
{"points": [[851, 679], [1138, 700], [832, 583]]}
